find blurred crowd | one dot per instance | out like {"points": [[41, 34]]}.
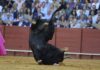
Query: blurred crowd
{"points": [[78, 13]]}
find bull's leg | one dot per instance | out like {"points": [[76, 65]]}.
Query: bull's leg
{"points": [[37, 54]]}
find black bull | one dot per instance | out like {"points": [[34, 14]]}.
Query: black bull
{"points": [[40, 34], [43, 52]]}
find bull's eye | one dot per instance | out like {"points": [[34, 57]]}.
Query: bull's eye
{"points": [[34, 22]]}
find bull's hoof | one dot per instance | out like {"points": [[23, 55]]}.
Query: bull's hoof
{"points": [[56, 64], [39, 62]]}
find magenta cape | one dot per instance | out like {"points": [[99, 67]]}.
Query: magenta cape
{"points": [[2, 47]]}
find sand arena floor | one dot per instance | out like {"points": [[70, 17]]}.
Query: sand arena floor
{"points": [[28, 63]]}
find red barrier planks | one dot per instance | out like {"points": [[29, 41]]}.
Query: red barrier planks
{"points": [[91, 41], [16, 37], [70, 38], [2, 29]]}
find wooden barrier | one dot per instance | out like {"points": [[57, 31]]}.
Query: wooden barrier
{"points": [[2, 29], [70, 38], [77, 40], [17, 38], [90, 41]]}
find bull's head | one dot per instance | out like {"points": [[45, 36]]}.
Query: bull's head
{"points": [[42, 23]]}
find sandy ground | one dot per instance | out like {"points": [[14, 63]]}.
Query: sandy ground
{"points": [[28, 63]]}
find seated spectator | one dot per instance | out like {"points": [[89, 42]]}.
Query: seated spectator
{"points": [[98, 20], [35, 14], [10, 4], [16, 21], [28, 4], [49, 13], [44, 9], [57, 24], [68, 11], [89, 22], [63, 22], [93, 8], [72, 4], [47, 16], [19, 3], [7, 18], [15, 11], [94, 18], [77, 10], [82, 21], [56, 4], [1, 8], [73, 22], [26, 23], [73, 12], [47, 4], [86, 10], [20, 22], [96, 3], [33, 7], [25, 20], [81, 13], [97, 25]]}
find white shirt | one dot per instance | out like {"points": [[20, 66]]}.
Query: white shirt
{"points": [[4, 17], [1, 8], [78, 12], [87, 12], [44, 10], [19, 4], [94, 19], [48, 17], [7, 19], [96, 4], [77, 25]]}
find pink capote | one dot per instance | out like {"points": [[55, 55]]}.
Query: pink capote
{"points": [[2, 47]]}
